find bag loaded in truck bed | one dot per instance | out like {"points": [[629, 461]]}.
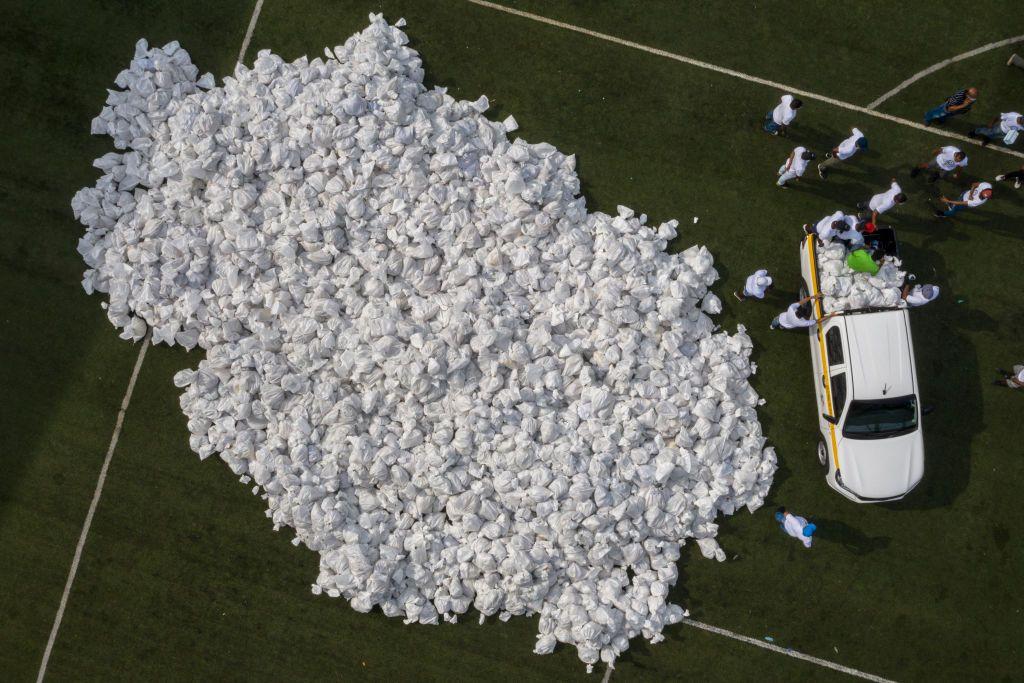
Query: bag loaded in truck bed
{"points": [[847, 290]]}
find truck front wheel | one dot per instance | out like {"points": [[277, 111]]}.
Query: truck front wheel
{"points": [[823, 453]]}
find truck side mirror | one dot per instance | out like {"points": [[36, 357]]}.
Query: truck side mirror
{"points": [[829, 418]]}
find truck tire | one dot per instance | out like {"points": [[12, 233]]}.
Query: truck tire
{"points": [[823, 453]]}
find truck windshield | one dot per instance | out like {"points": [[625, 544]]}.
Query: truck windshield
{"points": [[881, 419]]}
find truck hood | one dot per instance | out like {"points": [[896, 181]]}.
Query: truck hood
{"points": [[882, 468]]}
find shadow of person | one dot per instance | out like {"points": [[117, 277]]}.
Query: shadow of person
{"points": [[949, 380], [852, 539]]}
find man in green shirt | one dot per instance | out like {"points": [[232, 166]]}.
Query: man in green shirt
{"points": [[864, 261]]}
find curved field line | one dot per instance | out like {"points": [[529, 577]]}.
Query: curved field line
{"points": [[944, 63]]}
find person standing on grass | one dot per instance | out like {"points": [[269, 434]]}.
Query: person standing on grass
{"points": [[945, 160], [756, 286], [1006, 126], [797, 527], [795, 166], [798, 316], [972, 198], [883, 201], [777, 120], [919, 295], [1016, 176], [846, 149], [956, 104], [1013, 380]]}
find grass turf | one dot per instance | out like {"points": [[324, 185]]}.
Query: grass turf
{"points": [[182, 577]]}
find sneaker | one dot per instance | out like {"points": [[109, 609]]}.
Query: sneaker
{"points": [[940, 214], [971, 134], [914, 172], [1016, 184], [1009, 62], [784, 186], [822, 172], [1000, 177]]}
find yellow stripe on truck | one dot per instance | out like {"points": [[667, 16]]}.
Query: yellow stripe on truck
{"points": [[821, 346]]}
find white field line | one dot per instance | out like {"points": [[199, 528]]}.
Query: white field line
{"points": [[944, 63], [113, 441], [786, 651], [739, 74], [92, 510], [252, 27]]}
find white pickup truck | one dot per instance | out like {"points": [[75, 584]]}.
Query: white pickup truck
{"points": [[869, 409]]}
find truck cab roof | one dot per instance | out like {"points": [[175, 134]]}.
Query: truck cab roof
{"points": [[881, 361]]}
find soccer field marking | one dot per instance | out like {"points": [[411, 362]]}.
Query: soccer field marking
{"points": [[944, 63], [113, 441], [252, 27], [738, 74], [92, 510], [786, 651]]}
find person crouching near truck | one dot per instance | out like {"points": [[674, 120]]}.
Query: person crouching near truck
{"points": [[798, 316]]}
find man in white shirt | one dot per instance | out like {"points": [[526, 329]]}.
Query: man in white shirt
{"points": [[883, 201], [1005, 126], [945, 160], [777, 120], [845, 150], [797, 527], [798, 316], [836, 226], [919, 295], [795, 166], [755, 286], [1013, 380], [971, 199]]}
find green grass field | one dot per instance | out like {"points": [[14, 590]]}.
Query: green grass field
{"points": [[182, 576]]}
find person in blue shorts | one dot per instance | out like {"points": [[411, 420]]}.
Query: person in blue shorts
{"points": [[956, 104]]}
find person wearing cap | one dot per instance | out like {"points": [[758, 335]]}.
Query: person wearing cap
{"points": [[836, 226], [972, 198], [798, 316], [945, 160], [756, 286], [1017, 177], [797, 527], [956, 104], [795, 166], [883, 201], [919, 295], [845, 150], [777, 120], [864, 261], [1013, 380], [1005, 126]]}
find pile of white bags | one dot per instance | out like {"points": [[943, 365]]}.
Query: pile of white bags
{"points": [[845, 289], [457, 385]]}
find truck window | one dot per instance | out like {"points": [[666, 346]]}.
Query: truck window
{"points": [[834, 344], [838, 394], [882, 418]]}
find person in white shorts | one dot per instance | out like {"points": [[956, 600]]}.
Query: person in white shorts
{"points": [[1013, 380], [845, 150], [919, 295], [797, 527], [756, 286], [971, 199], [795, 166], [777, 120], [883, 201], [945, 160], [1005, 127]]}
